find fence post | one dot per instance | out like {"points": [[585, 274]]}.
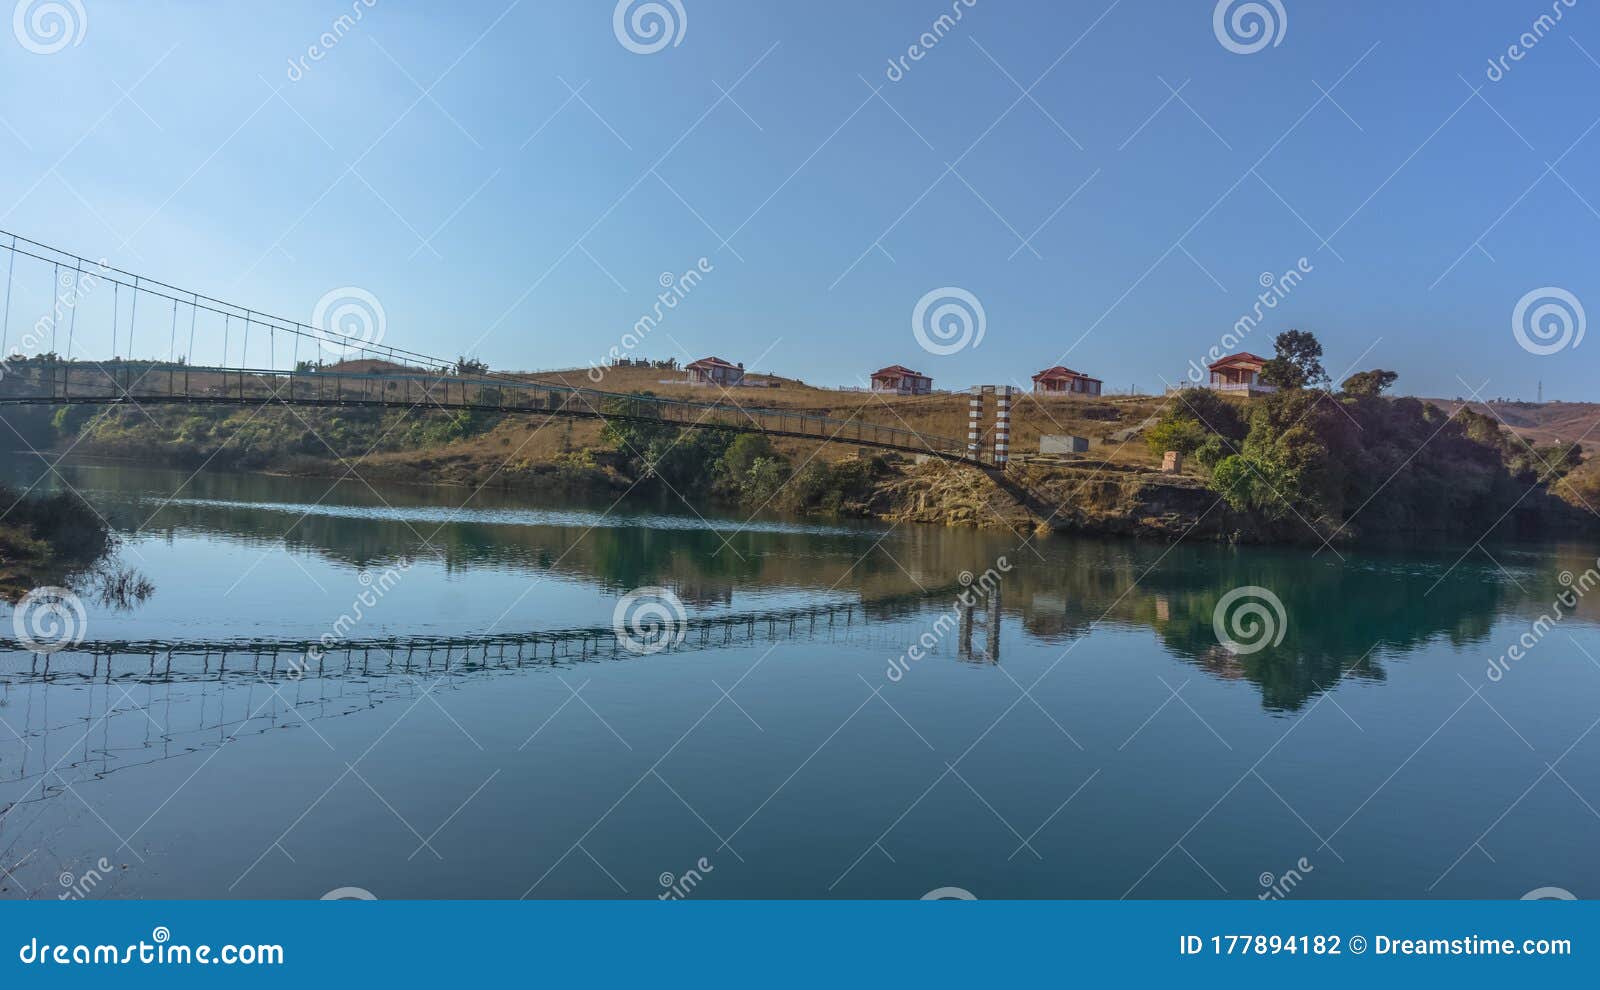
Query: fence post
{"points": [[974, 415], [1002, 425]]}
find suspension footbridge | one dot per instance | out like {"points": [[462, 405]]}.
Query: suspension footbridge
{"points": [[368, 373], [155, 660]]}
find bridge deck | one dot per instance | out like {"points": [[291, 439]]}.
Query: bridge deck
{"points": [[159, 659], [153, 383]]}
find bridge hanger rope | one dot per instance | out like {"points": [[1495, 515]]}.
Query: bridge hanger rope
{"points": [[11, 270], [77, 291], [198, 301], [412, 363], [55, 287], [119, 278]]}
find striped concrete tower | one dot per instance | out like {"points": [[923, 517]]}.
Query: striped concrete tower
{"points": [[1002, 425], [974, 420]]}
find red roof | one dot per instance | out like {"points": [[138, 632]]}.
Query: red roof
{"points": [[712, 362], [1243, 357], [897, 369], [1058, 372]]}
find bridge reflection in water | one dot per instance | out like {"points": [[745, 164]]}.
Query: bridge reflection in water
{"points": [[245, 686], [158, 660], [991, 639]]}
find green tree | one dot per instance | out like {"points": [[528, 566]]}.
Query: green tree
{"points": [[633, 436], [1245, 484], [764, 479], [1314, 466], [1199, 423], [743, 452], [1292, 460], [1369, 384], [1298, 361]]}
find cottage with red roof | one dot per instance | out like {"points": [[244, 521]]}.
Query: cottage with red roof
{"points": [[900, 380], [715, 371], [1065, 381], [1239, 373]]}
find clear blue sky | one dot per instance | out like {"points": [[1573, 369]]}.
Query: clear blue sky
{"points": [[502, 216]]}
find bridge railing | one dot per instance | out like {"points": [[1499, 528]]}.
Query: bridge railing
{"points": [[162, 658], [133, 382]]}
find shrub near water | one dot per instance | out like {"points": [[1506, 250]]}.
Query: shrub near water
{"points": [[43, 539], [1201, 424], [255, 439], [754, 473], [62, 521], [1323, 457], [1399, 464], [744, 467], [835, 487]]}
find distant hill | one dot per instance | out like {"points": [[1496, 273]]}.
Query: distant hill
{"points": [[1540, 423], [369, 366]]}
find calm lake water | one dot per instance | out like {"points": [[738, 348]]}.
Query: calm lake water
{"points": [[1098, 742]]}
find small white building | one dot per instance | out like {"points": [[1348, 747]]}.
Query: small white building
{"points": [[715, 371], [900, 380]]}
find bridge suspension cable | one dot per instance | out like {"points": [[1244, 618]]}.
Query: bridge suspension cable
{"points": [[326, 338], [11, 271], [419, 379]]}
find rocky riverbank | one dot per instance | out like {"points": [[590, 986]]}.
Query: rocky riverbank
{"points": [[1081, 497], [1297, 468], [46, 540]]}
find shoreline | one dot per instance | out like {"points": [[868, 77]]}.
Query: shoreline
{"points": [[1085, 499], [49, 540]]}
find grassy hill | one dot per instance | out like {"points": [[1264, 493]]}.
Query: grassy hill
{"points": [[1540, 423], [942, 414], [1116, 486]]}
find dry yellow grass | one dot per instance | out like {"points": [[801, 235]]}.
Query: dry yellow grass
{"points": [[1104, 420], [944, 414]]}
